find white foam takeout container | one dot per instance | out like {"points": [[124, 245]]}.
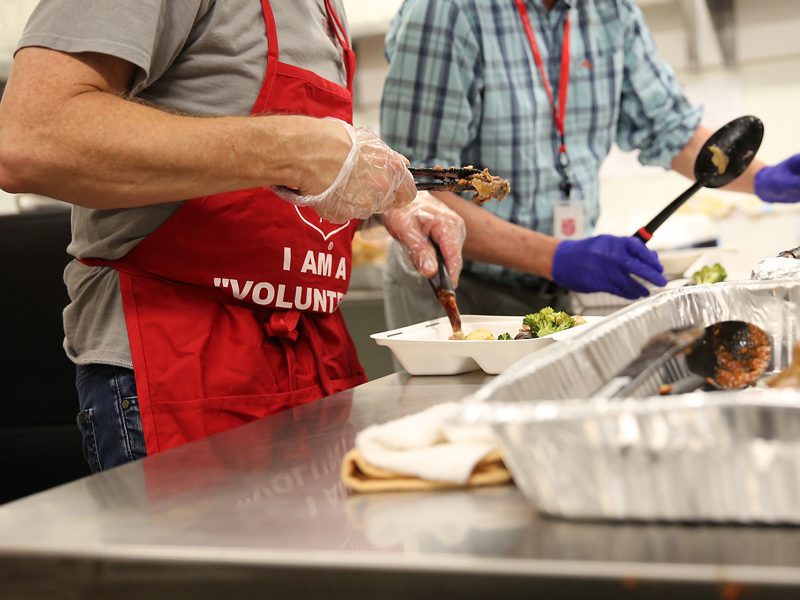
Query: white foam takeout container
{"points": [[425, 348]]}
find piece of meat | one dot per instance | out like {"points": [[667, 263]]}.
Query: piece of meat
{"points": [[487, 186], [742, 365]]}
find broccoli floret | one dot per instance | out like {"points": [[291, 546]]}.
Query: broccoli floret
{"points": [[548, 321], [710, 274], [504, 336]]}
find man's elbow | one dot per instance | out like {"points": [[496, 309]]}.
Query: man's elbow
{"points": [[17, 164]]}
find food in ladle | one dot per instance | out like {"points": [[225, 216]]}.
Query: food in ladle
{"points": [[719, 158]]}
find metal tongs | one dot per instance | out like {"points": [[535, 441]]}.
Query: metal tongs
{"points": [[445, 294], [793, 253], [439, 179], [693, 357]]}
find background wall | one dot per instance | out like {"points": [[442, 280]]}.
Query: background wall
{"points": [[759, 38]]}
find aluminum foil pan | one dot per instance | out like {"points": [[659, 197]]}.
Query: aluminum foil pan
{"points": [[722, 457], [579, 368], [779, 267]]}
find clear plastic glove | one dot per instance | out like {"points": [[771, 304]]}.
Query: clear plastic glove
{"points": [[605, 263], [781, 182], [414, 225], [373, 179]]}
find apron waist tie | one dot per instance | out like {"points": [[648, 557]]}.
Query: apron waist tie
{"points": [[313, 340], [283, 324]]}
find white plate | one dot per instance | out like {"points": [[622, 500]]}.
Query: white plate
{"points": [[675, 262], [595, 300], [736, 264], [425, 348]]}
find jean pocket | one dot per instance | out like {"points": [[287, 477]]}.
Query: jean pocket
{"points": [[131, 421], [85, 422]]}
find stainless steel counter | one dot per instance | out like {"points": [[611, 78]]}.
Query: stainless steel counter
{"points": [[259, 512]]}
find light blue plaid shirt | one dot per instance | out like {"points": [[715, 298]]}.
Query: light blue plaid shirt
{"points": [[463, 89]]}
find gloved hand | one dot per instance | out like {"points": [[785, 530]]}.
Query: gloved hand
{"points": [[373, 179], [781, 182], [424, 219], [605, 263]]}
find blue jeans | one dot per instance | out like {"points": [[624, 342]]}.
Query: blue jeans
{"points": [[109, 419]]}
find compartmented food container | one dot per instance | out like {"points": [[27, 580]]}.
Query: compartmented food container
{"points": [[721, 456], [425, 348]]}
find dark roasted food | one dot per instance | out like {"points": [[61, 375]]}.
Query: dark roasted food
{"points": [[487, 186], [742, 363]]}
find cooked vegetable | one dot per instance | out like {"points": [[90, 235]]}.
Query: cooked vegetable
{"points": [[548, 321], [504, 336], [710, 274], [480, 334]]}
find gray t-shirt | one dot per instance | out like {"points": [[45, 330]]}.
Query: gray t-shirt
{"points": [[201, 57]]}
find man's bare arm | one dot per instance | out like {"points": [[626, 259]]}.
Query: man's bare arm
{"points": [[67, 131], [684, 163], [494, 240]]}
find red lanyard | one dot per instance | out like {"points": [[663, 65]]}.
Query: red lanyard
{"points": [[560, 111]]}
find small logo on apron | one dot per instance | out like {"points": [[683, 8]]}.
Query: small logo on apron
{"points": [[325, 228]]}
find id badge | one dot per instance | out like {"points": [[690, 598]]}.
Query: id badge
{"points": [[569, 221]]}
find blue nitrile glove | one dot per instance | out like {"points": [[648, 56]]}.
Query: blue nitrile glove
{"points": [[781, 182], [605, 263]]}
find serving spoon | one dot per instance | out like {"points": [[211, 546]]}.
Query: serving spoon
{"points": [[726, 355], [737, 143]]}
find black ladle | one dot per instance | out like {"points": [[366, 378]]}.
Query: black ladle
{"points": [[725, 355], [739, 140]]}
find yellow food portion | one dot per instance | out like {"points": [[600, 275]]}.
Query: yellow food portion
{"points": [[480, 334], [369, 250], [719, 159]]}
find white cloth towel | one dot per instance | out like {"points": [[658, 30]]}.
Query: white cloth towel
{"points": [[427, 445]]}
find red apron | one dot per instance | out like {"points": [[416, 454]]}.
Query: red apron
{"points": [[231, 305]]}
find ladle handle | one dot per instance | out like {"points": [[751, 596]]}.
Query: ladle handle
{"points": [[646, 232]]}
